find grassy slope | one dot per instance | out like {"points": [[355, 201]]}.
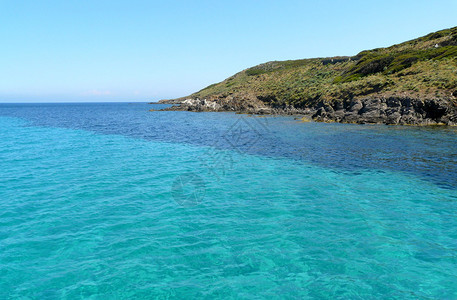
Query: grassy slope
{"points": [[417, 68]]}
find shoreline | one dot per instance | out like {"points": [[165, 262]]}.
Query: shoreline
{"points": [[393, 110]]}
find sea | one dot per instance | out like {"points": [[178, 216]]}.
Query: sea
{"points": [[114, 201]]}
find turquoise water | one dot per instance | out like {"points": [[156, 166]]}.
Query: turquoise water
{"points": [[133, 204]]}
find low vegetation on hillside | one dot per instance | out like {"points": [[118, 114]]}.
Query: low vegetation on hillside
{"points": [[420, 68]]}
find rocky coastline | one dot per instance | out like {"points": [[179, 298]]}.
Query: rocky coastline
{"points": [[411, 83], [390, 110]]}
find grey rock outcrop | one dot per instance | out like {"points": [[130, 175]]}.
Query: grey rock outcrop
{"points": [[393, 110]]}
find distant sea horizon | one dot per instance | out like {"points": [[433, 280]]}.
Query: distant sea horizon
{"points": [[75, 102]]}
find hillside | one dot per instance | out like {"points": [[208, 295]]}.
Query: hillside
{"points": [[410, 83]]}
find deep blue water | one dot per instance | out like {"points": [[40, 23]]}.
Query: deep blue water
{"points": [[114, 201]]}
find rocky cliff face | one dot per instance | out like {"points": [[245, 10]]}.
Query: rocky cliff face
{"points": [[392, 110]]}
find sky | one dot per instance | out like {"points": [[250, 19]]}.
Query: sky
{"points": [[97, 50]]}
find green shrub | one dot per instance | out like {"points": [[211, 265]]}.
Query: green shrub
{"points": [[254, 72]]}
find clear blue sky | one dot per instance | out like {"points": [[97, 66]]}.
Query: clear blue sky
{"points": [[112, 50]]}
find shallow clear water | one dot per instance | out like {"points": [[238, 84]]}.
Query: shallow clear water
{"points": [[111, 201]]}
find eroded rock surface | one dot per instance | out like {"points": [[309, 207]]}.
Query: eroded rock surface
{"points": [[393, 110]]}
